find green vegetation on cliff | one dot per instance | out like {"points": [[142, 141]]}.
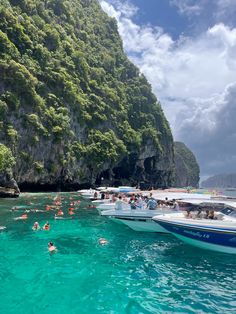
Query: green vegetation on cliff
{"points": [[187, 168], [7, 161], [69, 97]]}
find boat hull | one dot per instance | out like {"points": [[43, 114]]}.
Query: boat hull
{"points": [[140, 224], [216, 239]]}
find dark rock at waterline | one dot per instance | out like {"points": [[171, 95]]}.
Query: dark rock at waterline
{"points": [[8, 186]]}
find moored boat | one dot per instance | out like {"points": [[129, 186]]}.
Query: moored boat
{"points": [[212, 234], [138, 220]]}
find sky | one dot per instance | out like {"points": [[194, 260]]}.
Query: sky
{"points": [[187, 51]]}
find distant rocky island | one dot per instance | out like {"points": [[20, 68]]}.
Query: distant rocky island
{"points": [[74, 111], [220, 181]]}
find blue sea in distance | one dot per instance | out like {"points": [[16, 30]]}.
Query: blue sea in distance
{"points": [[134, 273]]}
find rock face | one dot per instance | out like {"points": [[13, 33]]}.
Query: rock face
{"points": [[220, 181], [8, 186], [187, 169], [73, 109]]}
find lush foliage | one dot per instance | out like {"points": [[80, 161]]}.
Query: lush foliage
{"points": [[65, 78], [7, 161]]}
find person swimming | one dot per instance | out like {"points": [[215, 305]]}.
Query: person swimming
{"points": [[60, 213], [51, 247], [102, 241], [36, 226], [46, 226]]}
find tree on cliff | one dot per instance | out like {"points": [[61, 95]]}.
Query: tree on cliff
{"points": [[7, 161]]}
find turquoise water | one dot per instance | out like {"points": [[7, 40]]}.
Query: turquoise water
{"points": [[133, 273]]}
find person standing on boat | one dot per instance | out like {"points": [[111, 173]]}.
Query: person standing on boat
{"points": [[152, 204], [119, 203]]}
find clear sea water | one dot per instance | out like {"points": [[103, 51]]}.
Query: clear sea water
{"points": [[134, 273]]}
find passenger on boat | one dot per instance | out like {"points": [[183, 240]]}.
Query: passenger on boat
{"points": [[119, 203], [46, 226], [211, 215], [199, 214], [188, 213], [139, 203], [132, 204], [206, 216], [95, 195], [102, 196], [175, 205], [114, 198], [152, 204]]}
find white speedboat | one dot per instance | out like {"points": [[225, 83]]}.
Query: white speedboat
{"points": [[89, 194], [213, 234], [111, 206], [101, 201], [138, 220]]}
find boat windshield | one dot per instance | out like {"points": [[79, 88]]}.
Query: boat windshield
{"points": [[229, 211]]}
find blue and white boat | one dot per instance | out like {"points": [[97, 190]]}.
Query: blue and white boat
{"points": [[213, 234]]}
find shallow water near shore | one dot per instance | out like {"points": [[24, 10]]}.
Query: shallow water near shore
{"points": [[134, 273]]}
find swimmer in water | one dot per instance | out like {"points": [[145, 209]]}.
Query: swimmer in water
{"points": [[46, 226], [51, 247], [60, 213], [36, 226], [102, 241]]}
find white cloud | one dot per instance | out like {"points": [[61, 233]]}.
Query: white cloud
{"points": [[188, 7], [225, 7], [192, 77]]}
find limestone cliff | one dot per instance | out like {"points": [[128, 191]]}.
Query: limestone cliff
{"points": [[187, 168], [73, 109], [220, 181]]}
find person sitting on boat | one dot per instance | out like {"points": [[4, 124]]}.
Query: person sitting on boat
{"points": [[152, 204], [211, 215], [199, 214], [206, 214], [188, 213], [119, 203], [46, 226], [36, 226], [95, 195], [175, 205]]}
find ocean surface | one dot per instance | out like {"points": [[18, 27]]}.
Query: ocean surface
{"points": [[133, 273]]}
